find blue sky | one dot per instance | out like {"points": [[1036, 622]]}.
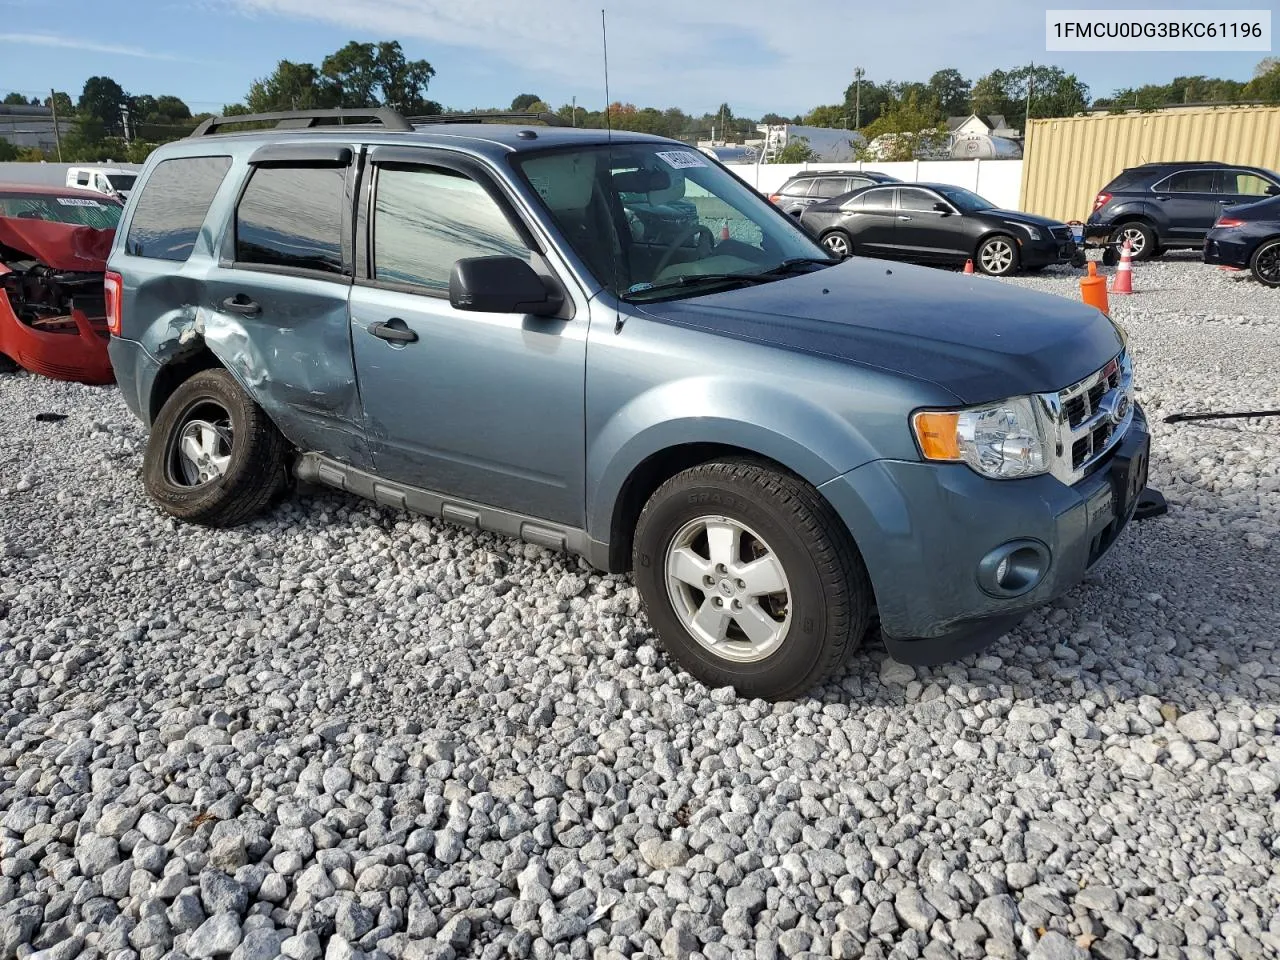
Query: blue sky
{"points": [[759, 55]]}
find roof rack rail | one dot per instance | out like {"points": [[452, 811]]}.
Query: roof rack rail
{"points": [[306, 119], [550, 119]]}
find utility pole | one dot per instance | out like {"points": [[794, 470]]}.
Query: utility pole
{"points": [[57, 134], [1031, 81], [575, 111], [858, 74], [124, 119]]}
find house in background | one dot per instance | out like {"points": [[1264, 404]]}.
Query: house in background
{"points": [[992, 125]]}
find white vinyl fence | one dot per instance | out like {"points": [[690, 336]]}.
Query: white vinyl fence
{"points": [[999, 181]]}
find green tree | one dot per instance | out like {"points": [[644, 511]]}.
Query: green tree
{"points": [[774, 119], [951, 91], [865, 101], [992, 93], [63, 103], [1265, 84], [16, 100], [907, 126], [1053, 93], [522, 103], [835, 115], [8, 151], [797, 150], [292, 86], [101, 100]]}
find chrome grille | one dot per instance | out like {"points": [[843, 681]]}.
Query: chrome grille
{"points": [[1060, 233], [1087, 419]]}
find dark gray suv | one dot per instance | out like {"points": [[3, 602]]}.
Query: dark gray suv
{"points": [[814, 186], [457, 318]]}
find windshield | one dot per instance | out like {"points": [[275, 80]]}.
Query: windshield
{"points": [[966, 201], [122, 182], [654, 221], [80, 211]]}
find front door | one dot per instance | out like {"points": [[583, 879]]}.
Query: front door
{"points": [[871, 221], [1243, 186], [483, 407]]}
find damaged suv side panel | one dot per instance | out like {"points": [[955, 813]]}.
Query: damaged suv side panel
{"points": [[288, 345]]}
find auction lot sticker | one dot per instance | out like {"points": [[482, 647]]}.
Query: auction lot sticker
{"points": [[682, 159], [1127, 31]]}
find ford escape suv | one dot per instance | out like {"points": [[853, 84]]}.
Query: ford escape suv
{"points": [[455, 318]]}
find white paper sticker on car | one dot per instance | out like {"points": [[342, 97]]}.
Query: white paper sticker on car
{"points": [[78, 202], [682, 159]]}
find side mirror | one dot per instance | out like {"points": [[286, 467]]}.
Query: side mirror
{"points": [[942, 208], [1273, 190], [500, 285]]}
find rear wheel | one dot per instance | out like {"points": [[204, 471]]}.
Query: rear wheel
{"points": [[1142, 240], [837, 243], [213, 457], [998, 256], [750, 579], [1266, 263]]}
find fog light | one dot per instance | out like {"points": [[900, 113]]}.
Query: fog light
{"points": [[1014, 568]]}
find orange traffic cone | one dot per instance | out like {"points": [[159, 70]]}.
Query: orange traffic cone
{"points": [[724, 231], [1093, 290], [1123, 282], [968, 266]]}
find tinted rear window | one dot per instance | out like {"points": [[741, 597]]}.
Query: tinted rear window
{"points": [[292, 217], [173, 205], [796, 188], [831, 187]]}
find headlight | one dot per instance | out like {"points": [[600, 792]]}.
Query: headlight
{"points": [[1002, 440], [1032, 232]]}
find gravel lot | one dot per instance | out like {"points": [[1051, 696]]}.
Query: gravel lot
{"points": [[344, 731]]}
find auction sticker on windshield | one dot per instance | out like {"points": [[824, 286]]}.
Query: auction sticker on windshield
{"points": [[682, 159], [78, 202]]}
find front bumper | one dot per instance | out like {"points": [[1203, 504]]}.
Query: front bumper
{"points": [[1046, 252], [74, 348], [924, 529]]}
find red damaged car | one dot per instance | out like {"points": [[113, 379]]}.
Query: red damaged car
{"points": [[54, 243]]}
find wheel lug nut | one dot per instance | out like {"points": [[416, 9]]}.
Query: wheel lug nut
{"points": [[742, 584], [719, 602]]}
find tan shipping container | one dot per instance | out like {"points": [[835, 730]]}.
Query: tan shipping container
{"points": [[1069, 159]]}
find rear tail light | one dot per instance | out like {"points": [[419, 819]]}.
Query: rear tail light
{"points": [[775, 197], [1229, 222], [1100, 201], [112, 284]]}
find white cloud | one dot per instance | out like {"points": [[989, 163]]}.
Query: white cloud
{"points": [[695, 53], [92, 46]]}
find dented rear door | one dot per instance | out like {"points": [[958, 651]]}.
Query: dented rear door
{"points": [[276, 303]]}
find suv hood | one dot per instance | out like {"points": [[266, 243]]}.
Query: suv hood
{"points": [[976, 337]]}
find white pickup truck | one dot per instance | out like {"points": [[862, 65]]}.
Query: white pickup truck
{"points": [[113, 181]]}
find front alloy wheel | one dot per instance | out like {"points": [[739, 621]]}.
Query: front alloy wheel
{"points": [[728, 588], [998, 256]]}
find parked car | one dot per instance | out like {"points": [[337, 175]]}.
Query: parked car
{"points": [[938, 223], [111, 181], [53, 250], [813, 186], [452, 318], [1164, 206], [1248, 237]]}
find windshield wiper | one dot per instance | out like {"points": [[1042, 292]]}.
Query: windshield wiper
{"points": [[787, 266], [687, 279]]}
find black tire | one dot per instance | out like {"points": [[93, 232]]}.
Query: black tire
{"points": [[838, 237], [1143, 240], [255, 470], [987, 249], [829, 601], [1265, 263]]}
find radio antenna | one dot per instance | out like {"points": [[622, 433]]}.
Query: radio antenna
{"points": [[608, 133]]}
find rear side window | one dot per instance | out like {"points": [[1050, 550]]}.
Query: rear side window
{"points": [[292, 217], [796, 188], [880, 199], [1191, 181], [831, 187], [172, 207]]}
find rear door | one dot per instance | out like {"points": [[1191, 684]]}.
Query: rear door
{"points": [[923, 232], [277, 298], [870, 221], [1189, 200]]}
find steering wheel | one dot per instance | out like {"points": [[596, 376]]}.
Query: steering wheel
{"points": [[685, 233]]}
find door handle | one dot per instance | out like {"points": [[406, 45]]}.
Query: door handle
{"points": [[242, 305], [1162, 199], [393, 331], [904, 218]]}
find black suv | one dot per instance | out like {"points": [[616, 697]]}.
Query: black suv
{"points": [[1160, 206], [813, 186]]}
